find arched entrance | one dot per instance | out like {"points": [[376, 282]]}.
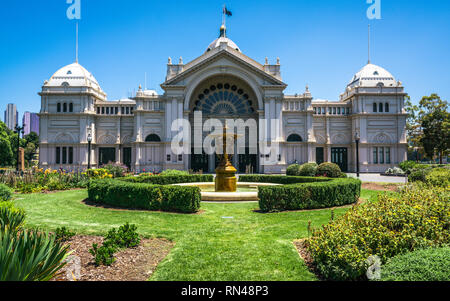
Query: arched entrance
{"points": [[224, 98]]}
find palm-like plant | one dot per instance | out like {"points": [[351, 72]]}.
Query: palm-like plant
{"points": [[27, 255]]}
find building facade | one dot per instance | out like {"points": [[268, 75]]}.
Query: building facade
{"points": [[11, 116], [30, 123], [222, 83]]}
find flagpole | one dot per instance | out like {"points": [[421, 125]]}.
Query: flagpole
{"points": [[224, 18], [76, 47]]}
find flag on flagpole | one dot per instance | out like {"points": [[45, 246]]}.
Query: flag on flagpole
{"points": [[227, 12]]}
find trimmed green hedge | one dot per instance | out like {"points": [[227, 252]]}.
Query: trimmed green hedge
{"points": [[144, 196], [431, 264], [276, 179], [169, 180], [300, 193]]}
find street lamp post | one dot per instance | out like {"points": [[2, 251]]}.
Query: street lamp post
{"points": [[357, 139], [89, 139], [18, 131]]}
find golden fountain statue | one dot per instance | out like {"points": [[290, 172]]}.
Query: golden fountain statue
{"points": [[225, 172]]}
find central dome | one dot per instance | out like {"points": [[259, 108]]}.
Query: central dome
{"points": [[222, 39]]}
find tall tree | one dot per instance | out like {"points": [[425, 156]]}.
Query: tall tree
{"points": [[413, 128], [6, 154], [435, 123]]}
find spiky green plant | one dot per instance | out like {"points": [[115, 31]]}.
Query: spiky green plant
{"points": [[10, 217], [30, 256]]}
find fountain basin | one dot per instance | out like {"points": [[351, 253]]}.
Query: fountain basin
{"points": [[246, 192]]}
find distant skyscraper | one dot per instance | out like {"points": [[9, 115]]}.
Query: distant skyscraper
{"points": [[30, 123], [11, 116]]}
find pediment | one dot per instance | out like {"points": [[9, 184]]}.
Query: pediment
{"points": [[224, 60]]}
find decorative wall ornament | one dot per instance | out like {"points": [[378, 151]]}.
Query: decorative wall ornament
{"points": [[320, 139], [339, 139], [127, 139], [64, 138], [382, 138], [107, 139]]}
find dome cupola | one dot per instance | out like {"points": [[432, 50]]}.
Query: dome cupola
{"points": [[73, 75], [222, 39], [372, 76]]}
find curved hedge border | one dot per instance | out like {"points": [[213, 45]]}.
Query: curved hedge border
{"points": [[300, 193], [149, 193], [168, 180]]}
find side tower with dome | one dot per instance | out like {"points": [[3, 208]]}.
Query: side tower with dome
{"points": [[377, 101], [68, 101]]}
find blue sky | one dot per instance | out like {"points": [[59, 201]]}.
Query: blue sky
{"points": [[320, 43]]}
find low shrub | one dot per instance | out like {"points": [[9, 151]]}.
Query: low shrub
{"points": [[407, 166], [276, 179], [309, 195], [308, 170], [174, 172], [125, 237], [395, 171], [432, 264], [329, 170], [63, 234], [116, 170], [169, 180], [145, 196], [103, 255], [438, 177], [5, 193], [418, 175], [100, 173], [293, 170], [415, 219]]}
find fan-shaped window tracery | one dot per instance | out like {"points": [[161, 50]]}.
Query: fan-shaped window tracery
{"points": [[224, 99]]}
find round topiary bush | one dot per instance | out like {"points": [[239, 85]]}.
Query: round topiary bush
{"points": [[407, 166], [329, 170], [293, 170], [308, 170], [431, 264], [419, 174], [5, 193]]}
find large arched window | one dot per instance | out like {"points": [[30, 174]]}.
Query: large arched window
{"points": [[71, 107], [58, 107], [294, 138], [153, 138], [222, 99]]}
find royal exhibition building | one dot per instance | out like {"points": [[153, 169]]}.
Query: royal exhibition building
{"points": [[79, 126]]}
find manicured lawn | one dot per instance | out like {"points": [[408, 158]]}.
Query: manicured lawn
{"points": [[250, 246]]}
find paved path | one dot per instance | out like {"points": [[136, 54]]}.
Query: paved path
{"points": [[377, 178]]}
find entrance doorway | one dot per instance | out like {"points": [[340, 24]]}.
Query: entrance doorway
{"points": [[127, 156], [107, 155], [320, 155], [247, 162], [199, 163], [339, 156]]}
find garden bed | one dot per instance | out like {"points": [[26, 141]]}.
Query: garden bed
{"points": [[136, 264]]}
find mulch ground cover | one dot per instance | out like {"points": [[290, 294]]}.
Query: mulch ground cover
{"points": [[134, 264]]}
